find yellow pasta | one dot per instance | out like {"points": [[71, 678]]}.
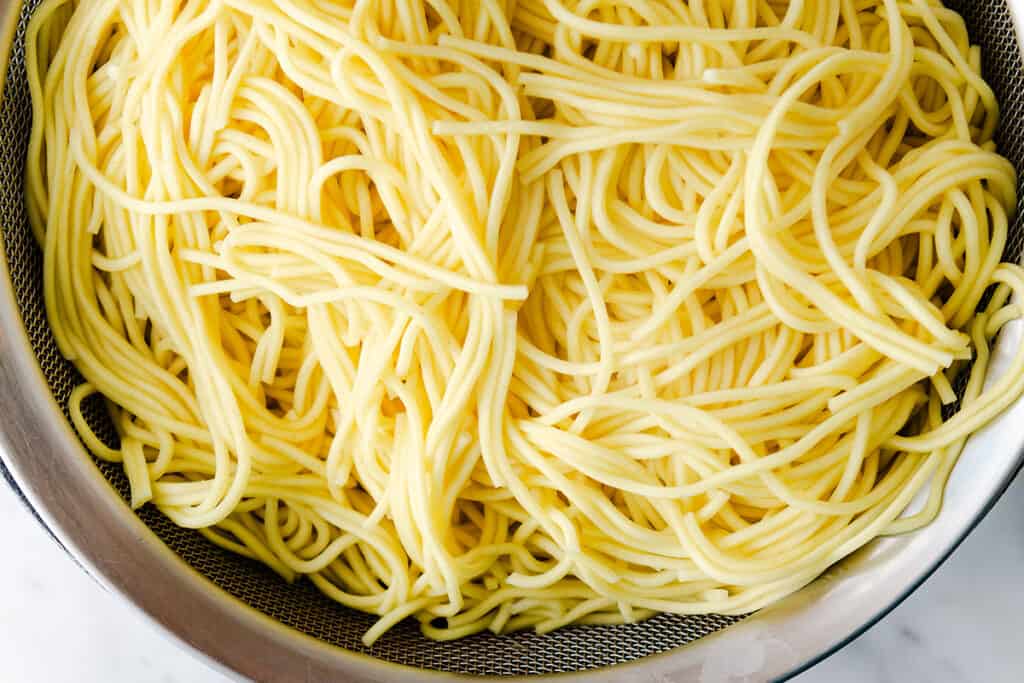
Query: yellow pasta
{"points": [[524, 313]]}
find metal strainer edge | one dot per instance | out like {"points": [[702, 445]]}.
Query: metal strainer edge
{"points": [[118, 549]]}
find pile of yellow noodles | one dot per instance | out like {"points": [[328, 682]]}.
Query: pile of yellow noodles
{"points": [[525, 313]]}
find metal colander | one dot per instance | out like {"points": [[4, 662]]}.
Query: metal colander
{"points": [[41, 448]]}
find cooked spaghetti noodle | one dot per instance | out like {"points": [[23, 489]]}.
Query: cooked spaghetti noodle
{"points": [[522, 313]]}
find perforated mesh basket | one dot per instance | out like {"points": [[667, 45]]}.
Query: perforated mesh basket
{"points": [[302, 607]]}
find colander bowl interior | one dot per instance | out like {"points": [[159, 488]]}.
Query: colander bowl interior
{"points": [[243, 616]]}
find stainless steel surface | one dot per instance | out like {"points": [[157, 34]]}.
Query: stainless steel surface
{"points": [[70, 495]]}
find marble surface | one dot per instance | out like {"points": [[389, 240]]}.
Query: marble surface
{"points": [[962, 626]]}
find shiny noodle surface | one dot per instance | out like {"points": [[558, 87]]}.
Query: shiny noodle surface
{"points": [[524, 313]]}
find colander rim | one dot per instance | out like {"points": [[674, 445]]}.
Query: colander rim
{"points": [[48, 467]]}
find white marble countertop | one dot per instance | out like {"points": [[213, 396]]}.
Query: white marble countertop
{"points": [[963, 625]]}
